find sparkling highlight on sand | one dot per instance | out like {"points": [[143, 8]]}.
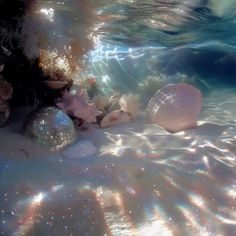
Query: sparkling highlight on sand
{"points": [[143, 181]]}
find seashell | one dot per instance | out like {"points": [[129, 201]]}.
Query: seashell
{"points": [[130, 103], [114, 118], [82, 148], [54, 84], [78, 106], [113, 102], [175, 107]]}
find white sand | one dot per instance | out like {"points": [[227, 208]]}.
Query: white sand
{"points": [[143, 180]]}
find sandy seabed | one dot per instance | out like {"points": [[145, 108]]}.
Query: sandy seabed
{"points": [[142, 181]]}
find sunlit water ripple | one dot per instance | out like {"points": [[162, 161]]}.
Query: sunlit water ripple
{"points": [[168, 23]]}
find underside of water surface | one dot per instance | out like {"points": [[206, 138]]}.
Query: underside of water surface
{"points": [[135, 178]]}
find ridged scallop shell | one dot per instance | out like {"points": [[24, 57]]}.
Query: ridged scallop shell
{"points": [[175, 107]]}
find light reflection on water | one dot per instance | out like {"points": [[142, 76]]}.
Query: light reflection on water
{"points": [[163, 22]]}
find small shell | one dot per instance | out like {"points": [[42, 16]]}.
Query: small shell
{"points": [[114, 118], [130, 103], [55, 84], [175, 107]]}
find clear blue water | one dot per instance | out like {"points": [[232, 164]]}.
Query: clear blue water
{"points": [[137, 39], [143, 181]]}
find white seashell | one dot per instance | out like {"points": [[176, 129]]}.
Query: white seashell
{"points": [[83, 148], [130, 103], [114, 118], [175, 107]]}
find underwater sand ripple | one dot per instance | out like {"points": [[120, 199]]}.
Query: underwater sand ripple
{"points": [[144, 181]]}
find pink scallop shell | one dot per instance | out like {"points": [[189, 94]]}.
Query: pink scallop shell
{"points": [[175, 107]]}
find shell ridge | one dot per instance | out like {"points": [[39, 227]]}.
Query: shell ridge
{"points": [[175, 107]]}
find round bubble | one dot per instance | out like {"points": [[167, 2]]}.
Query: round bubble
{"points": [[50, 127]]}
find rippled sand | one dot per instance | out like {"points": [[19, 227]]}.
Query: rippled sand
{"points": [[143, 181]]}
